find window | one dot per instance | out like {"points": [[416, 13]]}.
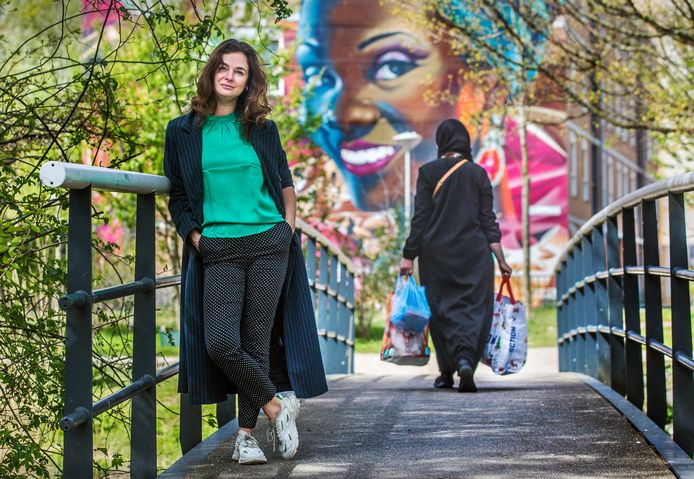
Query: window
{"points": [[625, 134], [573, 165], [585, 154], [631, 105], [619, 111], [276, 46], [608, 105], [610, 179]]}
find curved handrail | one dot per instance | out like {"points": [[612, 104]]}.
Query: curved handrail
{"points": [[604, 287], [676, 184], [313, 233]]}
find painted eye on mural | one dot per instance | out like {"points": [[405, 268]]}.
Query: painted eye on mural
{"points": [[319, 77], [391, 65]]}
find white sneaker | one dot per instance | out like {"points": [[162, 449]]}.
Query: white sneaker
{"points": [[293, 402], [284, 426], [247, 450]]}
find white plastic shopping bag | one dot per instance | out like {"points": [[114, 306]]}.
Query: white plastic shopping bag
{"points": [[507, 345]]}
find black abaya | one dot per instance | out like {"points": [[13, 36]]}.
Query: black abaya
{"points": [[451, 234]]}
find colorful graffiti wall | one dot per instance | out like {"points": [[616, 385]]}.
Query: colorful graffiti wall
{"points": [[369, 75]]}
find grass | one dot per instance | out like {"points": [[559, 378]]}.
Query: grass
{"points": [[542, 327], [667, 324], [118, 339], [542, 331], [112, 440], [372, 344], [111, 436]]}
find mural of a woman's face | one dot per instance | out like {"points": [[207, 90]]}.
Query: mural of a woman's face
{"points": [[367, 75]]}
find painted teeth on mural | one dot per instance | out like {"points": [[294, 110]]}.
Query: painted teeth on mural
{"points": [[366, 156]]}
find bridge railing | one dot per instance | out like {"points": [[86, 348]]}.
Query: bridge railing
{"points": [[599, 304], [331, 278]]}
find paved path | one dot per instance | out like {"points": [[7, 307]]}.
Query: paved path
{"points": [[388, 422]]}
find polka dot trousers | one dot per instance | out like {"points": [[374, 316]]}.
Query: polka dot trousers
{"points": [[243, 281]]}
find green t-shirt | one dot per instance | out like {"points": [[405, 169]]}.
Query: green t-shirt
{"points": [[236, 201]]}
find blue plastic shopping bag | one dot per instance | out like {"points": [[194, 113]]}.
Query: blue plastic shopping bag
{"points": [[398, 346], [410, 308]]}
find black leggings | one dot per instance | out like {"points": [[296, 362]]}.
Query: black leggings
{"points": [[243, 281]]}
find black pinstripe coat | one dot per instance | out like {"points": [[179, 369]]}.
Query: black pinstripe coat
{"points": [[199, 376]]}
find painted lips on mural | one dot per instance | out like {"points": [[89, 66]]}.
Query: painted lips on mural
{"points": [[366, 158]]}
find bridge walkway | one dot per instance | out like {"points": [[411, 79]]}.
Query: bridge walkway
{"points": [[388, 422]]}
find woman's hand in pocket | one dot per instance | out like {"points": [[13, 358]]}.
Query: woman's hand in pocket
{"points": [[195, 239]]}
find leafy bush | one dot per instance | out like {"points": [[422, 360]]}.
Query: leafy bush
{"points": [[76, 91]]}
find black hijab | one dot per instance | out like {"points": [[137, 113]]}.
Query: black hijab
{"points": [[452, 136]]}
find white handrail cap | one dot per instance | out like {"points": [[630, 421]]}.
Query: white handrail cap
{"points": [[56, 174]]}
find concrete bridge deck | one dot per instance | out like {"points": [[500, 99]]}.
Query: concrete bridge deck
{"points": [[388, 422]]}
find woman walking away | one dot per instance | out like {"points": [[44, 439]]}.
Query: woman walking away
{"points": [[453, 232], [233, 203]]}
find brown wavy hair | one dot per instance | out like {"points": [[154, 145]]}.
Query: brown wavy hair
{"points": [[252, 106]]}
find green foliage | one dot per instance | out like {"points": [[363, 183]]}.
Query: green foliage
{"points": [[39, 121], [379, 279], [281, 9], [102, 98], [629, 63]]}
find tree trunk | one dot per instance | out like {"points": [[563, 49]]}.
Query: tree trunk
{"points": [[525, 200]]}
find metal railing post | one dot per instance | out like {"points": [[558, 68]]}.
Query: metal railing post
{"points": [[568, 358], [143, 446], [616, 305], [603, 370], [581, 339], [566, 278], [226, 410], [682, 381], [322, 306], [350, 319], [78, 441], [337, 358], [634, 363], [343, 318], [655, 362], [311, 261], [591, 358], [572, 310], [190, 422]]}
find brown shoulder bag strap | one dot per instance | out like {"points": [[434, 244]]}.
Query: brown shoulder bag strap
{"points": [[448, 173]]}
